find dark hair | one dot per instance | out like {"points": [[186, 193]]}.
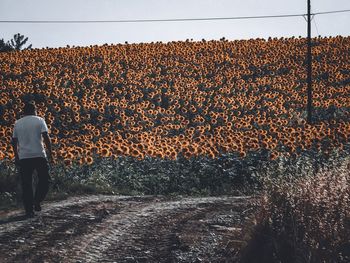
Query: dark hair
{"points": [[29, 108]]}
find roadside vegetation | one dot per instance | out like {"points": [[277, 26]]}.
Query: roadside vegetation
{"points": [[303, 214]]}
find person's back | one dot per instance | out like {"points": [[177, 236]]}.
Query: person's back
{"points": [[28, 131]]}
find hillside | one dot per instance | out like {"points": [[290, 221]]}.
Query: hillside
{"points": [[180, 98]]}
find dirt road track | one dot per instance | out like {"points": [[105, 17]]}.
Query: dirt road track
{"points": [[127, 229]]}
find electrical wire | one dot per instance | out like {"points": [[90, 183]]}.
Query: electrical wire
{"points": [[332, 12], [314, 20], [147, 20], [167, 20]]}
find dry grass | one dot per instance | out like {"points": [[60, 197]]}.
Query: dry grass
{"points": [[307, 219]]}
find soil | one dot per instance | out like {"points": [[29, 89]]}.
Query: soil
{"points": [[128, 229]]}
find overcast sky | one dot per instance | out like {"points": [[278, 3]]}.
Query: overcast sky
{"points": [[55, 35]]}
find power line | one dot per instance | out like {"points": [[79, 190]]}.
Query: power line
{"points": [[314, 20], [166, 20], [148, 20], [332, 12]]}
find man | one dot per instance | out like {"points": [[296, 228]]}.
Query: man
{"points": [[30, 155]]}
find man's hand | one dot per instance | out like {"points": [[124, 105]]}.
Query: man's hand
{"points": [[14, 143], [47, 142]]}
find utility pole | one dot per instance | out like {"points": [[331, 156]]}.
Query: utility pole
{"points": [[309, 65]]}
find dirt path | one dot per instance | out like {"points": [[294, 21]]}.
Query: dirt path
{"points": [[127, 229]]}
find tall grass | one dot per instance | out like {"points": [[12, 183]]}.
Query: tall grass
{"points": [[305, 216]]}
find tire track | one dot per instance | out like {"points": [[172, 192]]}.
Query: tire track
{"points": [[116, 229], [21, 241]]}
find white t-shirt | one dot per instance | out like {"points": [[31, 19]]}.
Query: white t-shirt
{"points": [[28, 132]]}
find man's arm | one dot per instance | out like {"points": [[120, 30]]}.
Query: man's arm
{"points": [[47, 142], [14, 143]]}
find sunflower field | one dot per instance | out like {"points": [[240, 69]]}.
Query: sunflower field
{"points": [[187, 98]]}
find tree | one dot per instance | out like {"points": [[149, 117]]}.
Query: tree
{"points": [[4, 47], [17, 43]]}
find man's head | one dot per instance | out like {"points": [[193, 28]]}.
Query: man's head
{"points": [[29, 108]]}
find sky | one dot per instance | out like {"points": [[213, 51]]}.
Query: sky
{"points": [[61, 35]]}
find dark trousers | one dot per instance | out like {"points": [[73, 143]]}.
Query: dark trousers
{"points": [[27, 167]]}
